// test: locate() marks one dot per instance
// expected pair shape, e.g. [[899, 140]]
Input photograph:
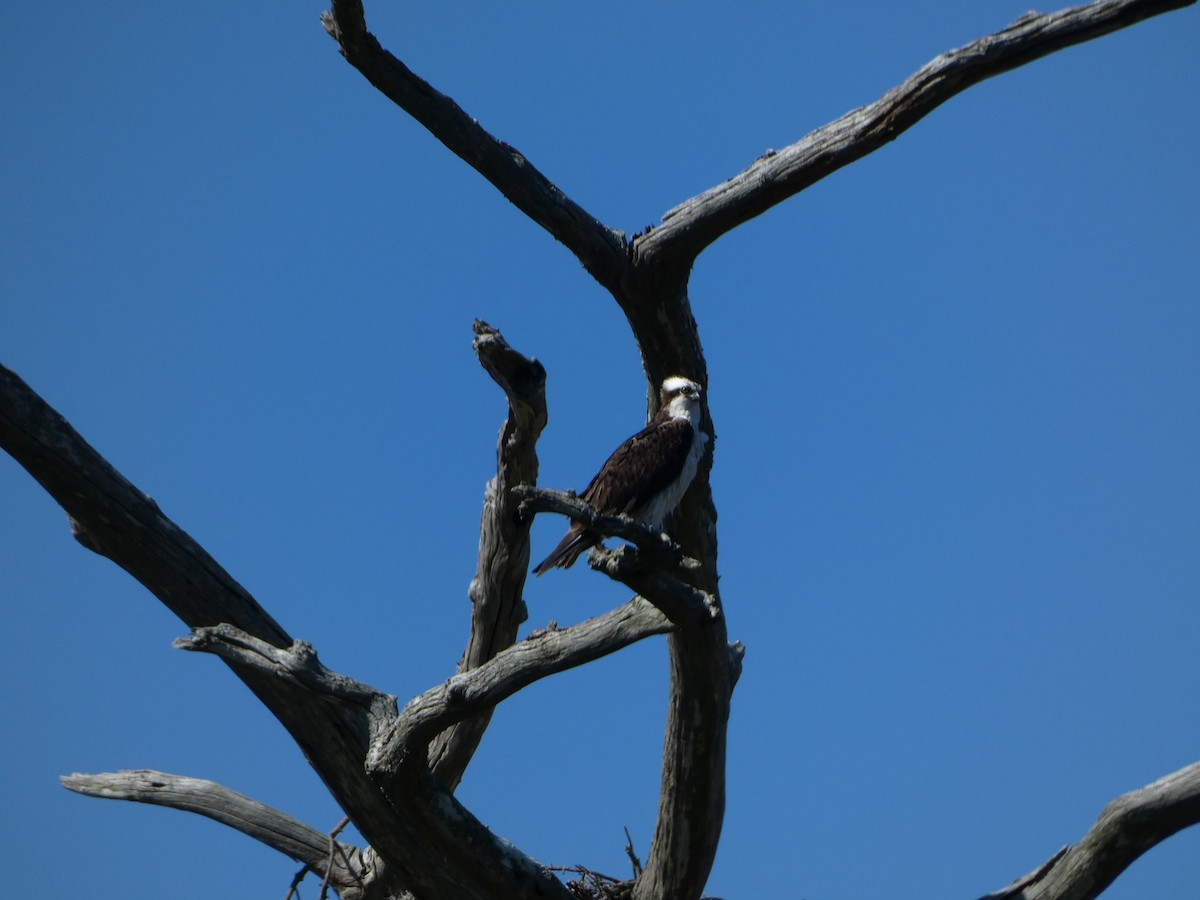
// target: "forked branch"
[[540, 656], [433, 846], [777, 175]]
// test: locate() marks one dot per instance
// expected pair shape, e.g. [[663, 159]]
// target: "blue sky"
[[955, 388]]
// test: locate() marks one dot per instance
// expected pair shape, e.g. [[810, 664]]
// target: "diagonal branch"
[[110, 516], [602, 250], [355, 875], [1126, 828], [433, 846], [777, 175], [539, 656], [497, 606], [476, 862]]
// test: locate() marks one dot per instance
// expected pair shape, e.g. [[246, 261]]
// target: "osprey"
[[646, 476]]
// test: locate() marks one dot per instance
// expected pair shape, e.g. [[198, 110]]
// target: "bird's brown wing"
[[641, 467]]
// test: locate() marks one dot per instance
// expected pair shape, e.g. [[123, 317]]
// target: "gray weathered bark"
[[393, 771], [648, 278], [496, 592], [355, 874], [1126, 828]]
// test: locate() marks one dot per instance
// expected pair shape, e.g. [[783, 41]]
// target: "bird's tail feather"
[[569, 549]]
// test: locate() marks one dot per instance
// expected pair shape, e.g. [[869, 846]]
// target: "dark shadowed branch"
[[111, 517], [654, 545], [602, 250]]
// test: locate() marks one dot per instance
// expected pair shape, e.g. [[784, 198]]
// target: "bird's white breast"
[[664, 504]]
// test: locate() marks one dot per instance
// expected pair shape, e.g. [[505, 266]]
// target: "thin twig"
[[294, 887], [332, 853], [633, 858]]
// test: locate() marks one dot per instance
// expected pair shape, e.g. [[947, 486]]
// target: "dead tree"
[[394, 770]]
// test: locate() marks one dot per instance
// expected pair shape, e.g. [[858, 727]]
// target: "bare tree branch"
[[1126, 828], [777, 175], [432, 845], [400, 737], [110, 516], [297, 664], [353, 874], [497, 607], [434, 822], [602, 250], [648, 570], [651, 289], [537, 657], [398, 745], [683, 604], [655, 546]]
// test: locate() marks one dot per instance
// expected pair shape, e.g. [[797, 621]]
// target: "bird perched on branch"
[[646, 476]]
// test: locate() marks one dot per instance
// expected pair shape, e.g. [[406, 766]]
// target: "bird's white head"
[[681, 398]]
